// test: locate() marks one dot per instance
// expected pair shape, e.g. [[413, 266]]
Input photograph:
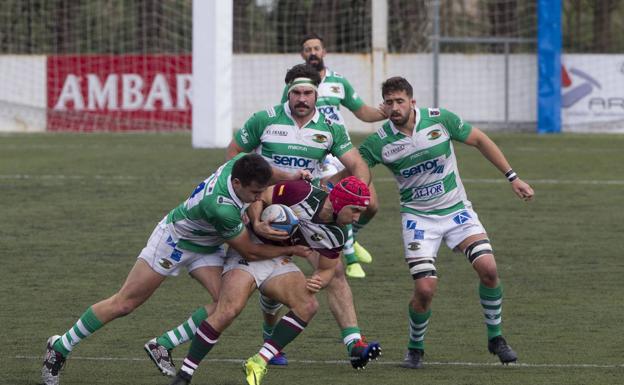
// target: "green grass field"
[[77, 209]]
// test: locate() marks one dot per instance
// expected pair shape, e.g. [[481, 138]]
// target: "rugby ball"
[[280, 217]]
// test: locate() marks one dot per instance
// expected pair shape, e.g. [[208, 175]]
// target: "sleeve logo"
[[434, 112]]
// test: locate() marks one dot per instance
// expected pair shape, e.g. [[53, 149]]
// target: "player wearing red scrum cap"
[[322, 219]]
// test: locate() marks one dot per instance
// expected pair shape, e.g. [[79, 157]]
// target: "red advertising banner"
[[119, 92]]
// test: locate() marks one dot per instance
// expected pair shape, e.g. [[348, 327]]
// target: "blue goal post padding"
[[549, 66]]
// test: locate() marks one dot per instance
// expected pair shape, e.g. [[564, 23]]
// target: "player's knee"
[[478, 249], [489, 277], [307, 308], [123, 306], [269, 305]]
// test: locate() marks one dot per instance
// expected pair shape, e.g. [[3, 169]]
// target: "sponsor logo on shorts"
[[165, 263], [428, 192], [419, 234], [243, 261], [462, 217], [413, 246], [286, 260], [176, 255]]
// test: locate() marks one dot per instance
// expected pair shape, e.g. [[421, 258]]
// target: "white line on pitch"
[[344, 362]]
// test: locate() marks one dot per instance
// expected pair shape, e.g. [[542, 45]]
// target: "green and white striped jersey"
[[424, 165], [211, 215], [333, 91], [274, 134]]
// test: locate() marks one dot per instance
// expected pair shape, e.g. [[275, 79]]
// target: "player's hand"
[[265, 230], [305, 175], [302, 251], [314, 283], [522, 189], [385, 109]]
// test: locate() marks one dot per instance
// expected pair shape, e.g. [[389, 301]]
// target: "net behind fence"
[[84, 65], [113, 65]]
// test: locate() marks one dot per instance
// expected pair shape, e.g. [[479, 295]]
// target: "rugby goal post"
[[212, 73]]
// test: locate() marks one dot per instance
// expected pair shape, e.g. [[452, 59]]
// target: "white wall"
[[22, 93], [470, 85]]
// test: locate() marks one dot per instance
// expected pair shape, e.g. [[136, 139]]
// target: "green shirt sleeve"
[[342, 141], [457, 128], [248, 137], [369, 150], [229, 223], [351, 100]]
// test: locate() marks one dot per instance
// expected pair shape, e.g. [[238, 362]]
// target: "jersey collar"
[[416, 121], [314, 119], [235, 197]]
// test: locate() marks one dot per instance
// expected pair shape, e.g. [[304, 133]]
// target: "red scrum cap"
[[350, 191]]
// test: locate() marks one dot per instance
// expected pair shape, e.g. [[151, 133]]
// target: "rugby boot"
[[498, 346], [413, 359], [161, 357], [363, 352], [53, 362]]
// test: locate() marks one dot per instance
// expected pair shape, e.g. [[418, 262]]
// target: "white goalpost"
[[212, 73]]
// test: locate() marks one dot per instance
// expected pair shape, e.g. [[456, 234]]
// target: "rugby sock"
[[267, 331], [418, 327], [350, 336], [348, 250], [286, 330], [86, 325], [492, 303], [184, 332], [205, 338], [359, 225]]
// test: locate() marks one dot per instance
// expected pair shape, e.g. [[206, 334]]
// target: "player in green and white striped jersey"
[[190, 236], [334, 91], [416, 146], [295, 135]]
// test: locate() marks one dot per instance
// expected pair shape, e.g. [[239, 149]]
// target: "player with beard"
[[415, 144], [293, 137], [334, 91]]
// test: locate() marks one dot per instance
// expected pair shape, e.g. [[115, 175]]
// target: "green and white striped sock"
[[492, 303], [183, 332], [86, 325], [418, 323]]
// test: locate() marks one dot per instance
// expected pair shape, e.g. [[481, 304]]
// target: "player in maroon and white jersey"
[[322, 217]]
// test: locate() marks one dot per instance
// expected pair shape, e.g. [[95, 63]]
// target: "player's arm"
[[323, 274], [491, 152], [258, 251], [370, 114], [356, 166], [261, 228], [233, 149]]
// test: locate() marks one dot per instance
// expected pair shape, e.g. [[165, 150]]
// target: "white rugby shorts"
[[261, 271], [162, 255], [423, 234]]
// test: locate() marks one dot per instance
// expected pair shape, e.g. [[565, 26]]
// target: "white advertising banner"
[[592, 93]]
